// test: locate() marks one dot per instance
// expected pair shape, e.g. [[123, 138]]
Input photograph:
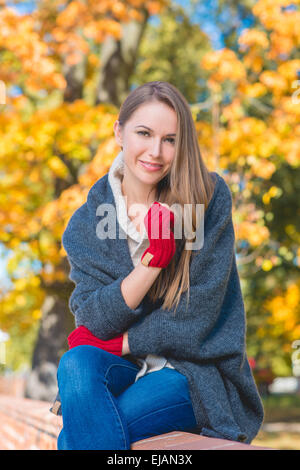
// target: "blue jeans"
[[104, 409]]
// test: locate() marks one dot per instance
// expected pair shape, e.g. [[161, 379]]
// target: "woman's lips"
[[150, 167]]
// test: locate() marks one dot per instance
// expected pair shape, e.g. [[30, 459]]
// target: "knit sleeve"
[[98, 306], [97, 271], [213, 324], [196, 337]]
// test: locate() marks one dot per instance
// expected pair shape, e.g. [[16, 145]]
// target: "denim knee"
[[72, 359], [77, 367]]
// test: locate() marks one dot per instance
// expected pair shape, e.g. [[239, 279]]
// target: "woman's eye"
[[143, 132], [170, 139]]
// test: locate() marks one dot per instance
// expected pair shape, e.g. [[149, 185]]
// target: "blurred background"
[[65, 69]]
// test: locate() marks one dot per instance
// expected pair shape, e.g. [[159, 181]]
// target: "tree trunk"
[[74, 76], [56, 323], [118, 58]]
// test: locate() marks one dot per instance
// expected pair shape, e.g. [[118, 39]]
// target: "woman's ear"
[[118, 134]]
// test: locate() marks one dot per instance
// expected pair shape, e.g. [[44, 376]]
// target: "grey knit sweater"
[[205, 342], [137, 244]]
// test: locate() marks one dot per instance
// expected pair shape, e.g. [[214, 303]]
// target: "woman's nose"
[[155, 149]]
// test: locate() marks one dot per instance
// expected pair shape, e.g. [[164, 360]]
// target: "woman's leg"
[[157, 403], [89, 378]]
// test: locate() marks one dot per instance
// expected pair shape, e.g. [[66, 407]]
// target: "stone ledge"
[[28, 425], [179, 440]]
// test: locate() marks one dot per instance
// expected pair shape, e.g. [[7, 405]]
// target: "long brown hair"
[[188, 182]]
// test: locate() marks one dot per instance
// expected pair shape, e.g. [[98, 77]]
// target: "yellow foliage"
[[253, 37], [20, 300], [58, 167], [34, 281], [273, 80], [20, 284], [233, 111], [252, 232], [281, 44], [69, 201], [289, 69], [119, 9], [253, 62], [284, 309], [69, 16], [290, 105], [18, 35], [154, 7], [223, 64], [283, 24], [261, 167], [267, 265], [36, 314], [274, 191], [101, 162], [254, 90]]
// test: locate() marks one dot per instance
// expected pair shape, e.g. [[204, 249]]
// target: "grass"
[[278, 440], [282, 408]]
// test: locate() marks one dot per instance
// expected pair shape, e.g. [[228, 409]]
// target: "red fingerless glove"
[[159, 222], [81, 336]]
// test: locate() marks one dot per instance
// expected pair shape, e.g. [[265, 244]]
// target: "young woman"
[[160, 338]]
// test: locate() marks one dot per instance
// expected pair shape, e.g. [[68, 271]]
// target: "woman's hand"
[[125, 348], [159, 222], [82, 336]]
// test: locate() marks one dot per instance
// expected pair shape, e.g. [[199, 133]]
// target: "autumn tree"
[[255, 139], [71, 62]]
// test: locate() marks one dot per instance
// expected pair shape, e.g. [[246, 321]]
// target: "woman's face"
[[148, 137]]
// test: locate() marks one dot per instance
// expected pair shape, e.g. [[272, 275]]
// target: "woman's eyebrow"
[[142, 125]]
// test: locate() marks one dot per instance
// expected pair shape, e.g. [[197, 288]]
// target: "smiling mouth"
[[151, 165]]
